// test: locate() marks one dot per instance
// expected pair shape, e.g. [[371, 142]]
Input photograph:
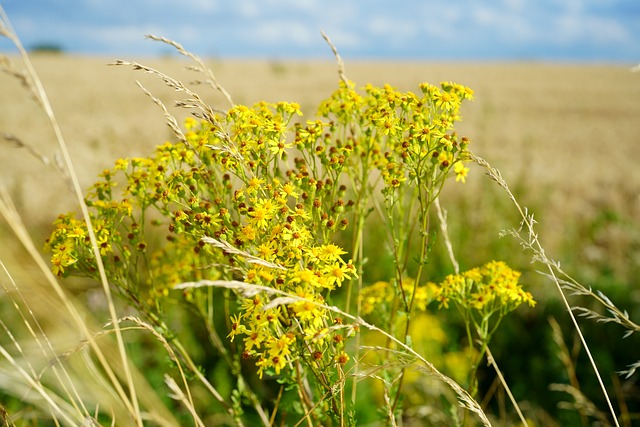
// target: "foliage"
[[232, 206], [250, 230], [46, 47]]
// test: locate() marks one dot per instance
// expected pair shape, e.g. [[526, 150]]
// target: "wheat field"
[[565, 136], [574, 127]]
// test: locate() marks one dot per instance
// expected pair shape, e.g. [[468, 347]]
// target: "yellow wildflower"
[[237, 328], [446, 100], [461, 172]]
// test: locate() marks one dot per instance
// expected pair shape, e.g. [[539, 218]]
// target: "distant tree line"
[[46, 47]]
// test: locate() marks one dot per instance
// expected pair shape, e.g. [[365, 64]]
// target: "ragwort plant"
[[239, 216], [252, 203]]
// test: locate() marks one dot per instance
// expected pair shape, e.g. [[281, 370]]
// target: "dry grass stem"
[[228, 248], [249, 290], [12, 217], [616, 315], [339, 61], [20, 230], [580, 402], [22, 77], [533, 243], [42, 341], [5, 417], [178, 394], [442, 218], [171, 120], [56, 164], [194, 101], [22, 379], [201, 68], [565, 357], [182, 357], [492, 362], [18, 143]]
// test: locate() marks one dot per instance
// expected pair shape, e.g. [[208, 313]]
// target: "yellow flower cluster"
[[488, 289], [230, 179], [277, 225], [405, 135], [228, 183], [378, 297], [69, 241]]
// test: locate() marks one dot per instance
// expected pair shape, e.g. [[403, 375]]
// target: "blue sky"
[[547, 30]]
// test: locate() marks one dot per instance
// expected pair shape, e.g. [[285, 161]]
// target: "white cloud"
[[203, 6], [255, 9], [439, 23], [505, 23], [309, 7], [485, 16], [27, 24], [343, 39], [284, 32], [392, 28], [298, 23], [123, 35], [247, 8], [575, 28], [515, 5]]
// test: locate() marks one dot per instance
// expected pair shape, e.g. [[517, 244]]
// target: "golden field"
[[567, 135], [575, 126]]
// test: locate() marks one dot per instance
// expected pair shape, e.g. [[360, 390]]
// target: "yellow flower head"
[[492, 287], [461, 172]]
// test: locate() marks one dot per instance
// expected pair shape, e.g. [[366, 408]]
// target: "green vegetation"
[[272, 269], [46, 47]]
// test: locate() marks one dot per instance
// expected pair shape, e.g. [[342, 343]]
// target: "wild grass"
[[66, 362]]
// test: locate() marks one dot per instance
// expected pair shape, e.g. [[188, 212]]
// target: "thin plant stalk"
[[534, 243], [131, 402], [46, 348], [283, 298], [492, 362]]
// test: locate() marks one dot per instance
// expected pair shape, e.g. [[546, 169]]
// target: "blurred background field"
[[566, 138]]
